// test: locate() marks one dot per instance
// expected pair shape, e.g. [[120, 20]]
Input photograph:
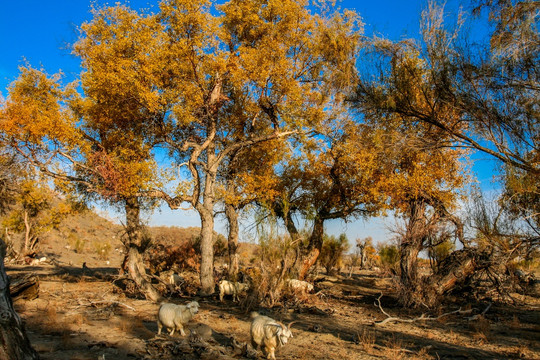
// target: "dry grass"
[[73, 319], [423, 354], [366, 339], [51, 316], [481, 329], [394, 347], [514, 324]]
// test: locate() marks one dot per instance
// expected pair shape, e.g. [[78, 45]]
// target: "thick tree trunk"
[[137, 272], [314, 247], [136, 244], [455, 270], [409, 264], [362, 256], [232, 240], [14, 344], [411, 245], [286, 216], [207, 253], [206, 213]]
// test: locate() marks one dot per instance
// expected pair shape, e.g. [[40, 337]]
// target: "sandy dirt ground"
[[83, 315]]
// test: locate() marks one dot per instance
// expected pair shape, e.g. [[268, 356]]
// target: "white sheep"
[[231, 288], [268, 333], [174, 316], [300, 285]]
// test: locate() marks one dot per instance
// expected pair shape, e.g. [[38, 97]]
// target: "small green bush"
[[103, 249], [389, 256], [76, 243]]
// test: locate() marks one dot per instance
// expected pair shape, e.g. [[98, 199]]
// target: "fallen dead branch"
[[110, 302], [422, 317], [104, 303], [481, 314]]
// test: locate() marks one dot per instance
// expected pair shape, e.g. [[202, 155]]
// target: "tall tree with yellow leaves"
[[255, 72], [123, 93], [488, 82], [339, 175], [427, 173], [96, 143]]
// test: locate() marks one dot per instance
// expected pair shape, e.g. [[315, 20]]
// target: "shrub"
[[441, 250], [76, 243], [161, 257], [103, 249], [332, 252], [273, 262], [389, 256]]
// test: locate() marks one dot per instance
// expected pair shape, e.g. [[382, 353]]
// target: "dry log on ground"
[[26, 287], [422, 317]]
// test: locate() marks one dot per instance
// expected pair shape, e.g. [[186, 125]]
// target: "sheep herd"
[[266, 333]]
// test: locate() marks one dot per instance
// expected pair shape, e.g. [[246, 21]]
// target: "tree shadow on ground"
[[386, 337]]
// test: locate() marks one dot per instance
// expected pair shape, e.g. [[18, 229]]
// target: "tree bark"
[[232, 240], [314, 247], [136, 244], [207, 253], [362, 247], [137, 272], [14, 343], [206, 213], [408, 264], [411, 245]]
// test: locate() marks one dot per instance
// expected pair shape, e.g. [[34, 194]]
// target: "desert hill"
[[91, 238]]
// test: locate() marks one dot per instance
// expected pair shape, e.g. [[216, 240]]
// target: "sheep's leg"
[[182, 331], [270, 352], [221, 296], [172, 331], [159, 326]]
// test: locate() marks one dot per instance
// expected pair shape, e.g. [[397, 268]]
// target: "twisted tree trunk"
[[314, 247], [136, 244]]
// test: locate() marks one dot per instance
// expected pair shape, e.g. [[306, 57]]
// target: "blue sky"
[[40, 32]]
